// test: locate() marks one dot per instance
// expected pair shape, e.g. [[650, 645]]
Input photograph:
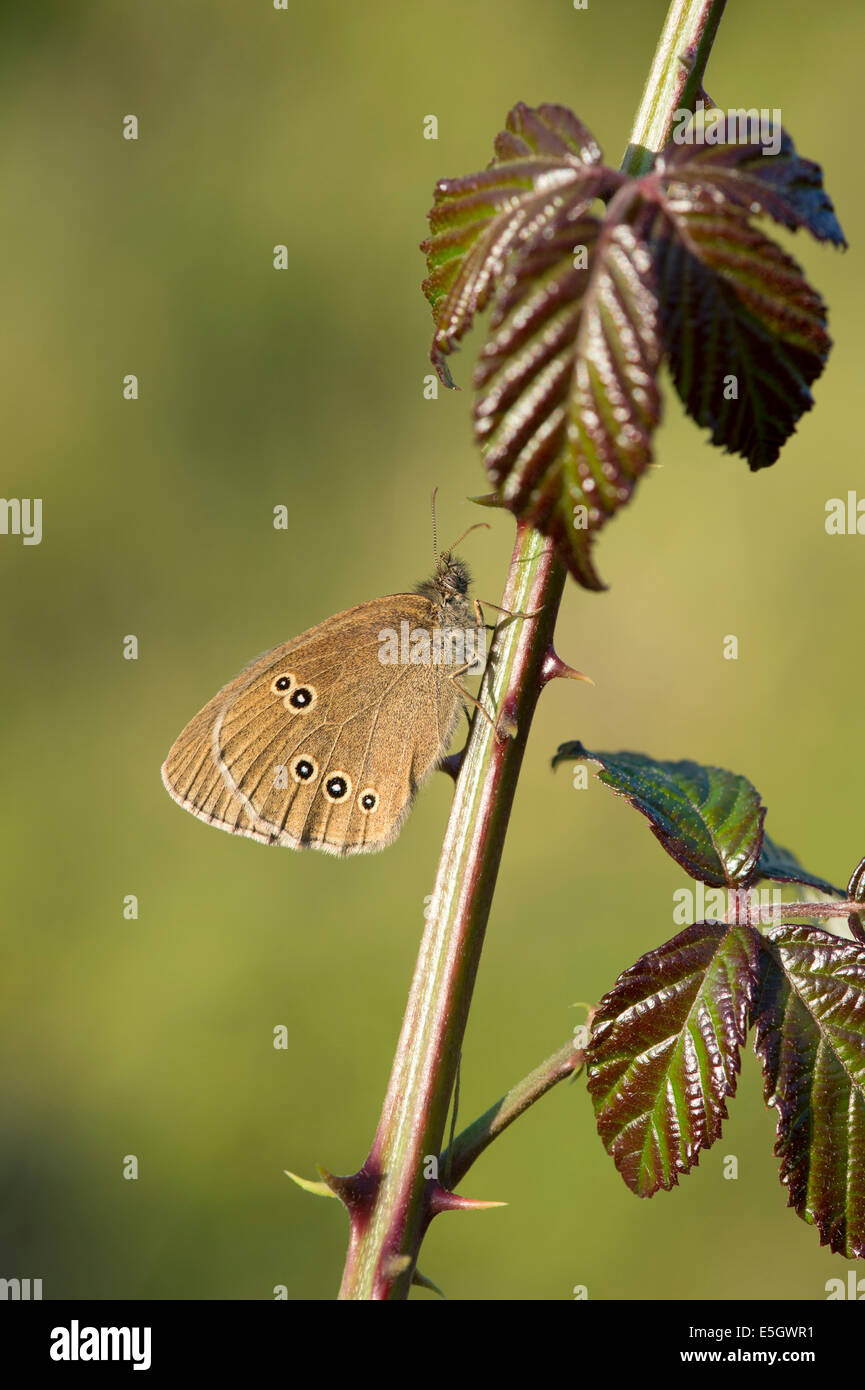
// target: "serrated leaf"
[[781, 866], [664, 1054], [552, 131], [709, 820], [544, 159], [784, 185], [567, 395], [810, 1037], [737, 315]]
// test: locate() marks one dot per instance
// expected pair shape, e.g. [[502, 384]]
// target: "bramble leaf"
[[810, 1037], [585, 306], [664, 1054], [545, 159], [567, 395], [709, 820], [784, 185], [738, 315], [743, 331]]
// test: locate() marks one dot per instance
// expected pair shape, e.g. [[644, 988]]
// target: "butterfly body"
[[323, 741]]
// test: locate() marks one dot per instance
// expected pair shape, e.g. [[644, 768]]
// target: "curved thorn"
[[318, 1189], [424, 1283], [441, 1199], [553, 667], [452, 764], [356, 1192]]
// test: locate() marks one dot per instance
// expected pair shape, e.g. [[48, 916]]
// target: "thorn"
[[452, 764], [488, 499], [441, 1199], [355, 1192], [318, 1189], [553, 666], [424, 1283]]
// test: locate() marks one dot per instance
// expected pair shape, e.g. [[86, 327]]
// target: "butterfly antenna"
[[435, 541], [478, 526]]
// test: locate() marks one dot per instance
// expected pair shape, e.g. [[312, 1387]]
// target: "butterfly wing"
[[320, 742]]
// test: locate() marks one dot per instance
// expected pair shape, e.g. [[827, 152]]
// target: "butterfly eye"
[[301, 698], [337, 787], [368, 800], [302, 769], [281, 684]]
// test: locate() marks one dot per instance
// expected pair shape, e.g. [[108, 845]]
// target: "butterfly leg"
[[452, 677], [510, 617]]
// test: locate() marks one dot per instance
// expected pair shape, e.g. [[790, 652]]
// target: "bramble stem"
[[767, 913], [393, 1197], [675, 78], [415, 1109]]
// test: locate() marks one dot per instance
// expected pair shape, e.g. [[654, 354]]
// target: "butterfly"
[[323, 742]]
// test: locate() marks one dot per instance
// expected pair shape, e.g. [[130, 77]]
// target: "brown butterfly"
[[323, 742]]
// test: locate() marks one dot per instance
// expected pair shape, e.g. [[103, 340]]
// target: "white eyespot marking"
[[280, 684], [368, 800], [338, 786], [301, 698], [304, 768]]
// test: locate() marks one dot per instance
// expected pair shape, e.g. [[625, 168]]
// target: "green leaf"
[[710, 821], [781, 866], [664, 1054], [810, 1037]]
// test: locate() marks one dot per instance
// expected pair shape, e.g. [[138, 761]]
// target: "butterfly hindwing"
[[337, 768]]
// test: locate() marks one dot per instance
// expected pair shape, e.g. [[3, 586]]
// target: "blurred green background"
[[154, 1037]]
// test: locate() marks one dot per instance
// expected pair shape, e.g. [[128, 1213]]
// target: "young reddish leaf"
[[744, 332], [664, 1053], [567, 394], [783, 185], [551, 130], [810, 1037], [709, 820], [781, 866], [544, 160]]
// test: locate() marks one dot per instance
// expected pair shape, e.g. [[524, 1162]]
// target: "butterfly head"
[[450, 583], [452, 578], [449, 586]]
